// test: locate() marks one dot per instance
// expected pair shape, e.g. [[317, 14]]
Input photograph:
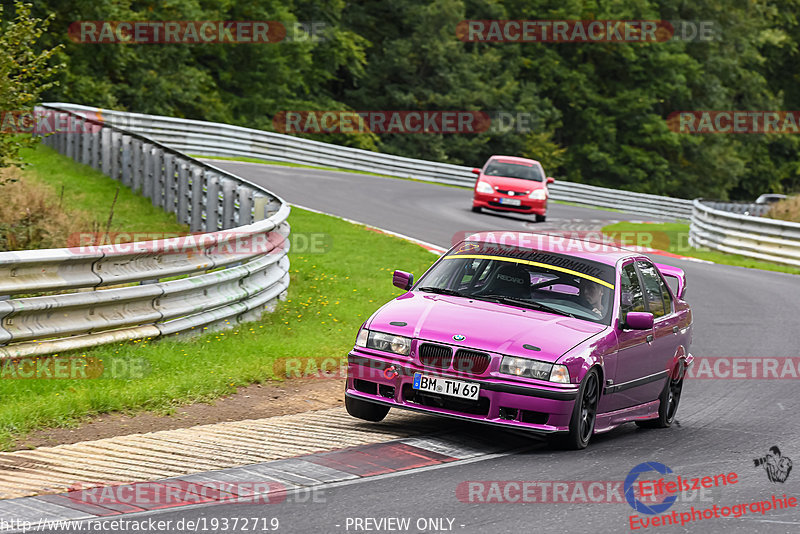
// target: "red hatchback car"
[[508, 183]]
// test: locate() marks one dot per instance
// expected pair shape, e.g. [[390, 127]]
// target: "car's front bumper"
[[538, 409], [492, 202]]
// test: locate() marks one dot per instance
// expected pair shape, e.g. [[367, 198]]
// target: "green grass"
[[330, 295], [674, 238], [88, 190]]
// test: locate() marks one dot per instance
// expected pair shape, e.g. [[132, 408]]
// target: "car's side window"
[[631, 296], [659, 300]]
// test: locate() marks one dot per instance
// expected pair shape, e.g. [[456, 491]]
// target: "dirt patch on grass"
[[252, 402]]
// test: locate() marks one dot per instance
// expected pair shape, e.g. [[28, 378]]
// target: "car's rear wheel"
[[668, 403], [368, 411], [584, 414], [541, 218], [476, 209]]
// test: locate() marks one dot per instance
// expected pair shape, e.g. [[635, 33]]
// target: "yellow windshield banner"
[[529, 262]]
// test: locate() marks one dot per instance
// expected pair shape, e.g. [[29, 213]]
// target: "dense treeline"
[[600, 108]]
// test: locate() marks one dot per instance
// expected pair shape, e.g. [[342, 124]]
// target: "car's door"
[[666, 322], [633, 364]]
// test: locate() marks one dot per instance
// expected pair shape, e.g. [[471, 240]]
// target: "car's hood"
[[485, 325], [513, 184]]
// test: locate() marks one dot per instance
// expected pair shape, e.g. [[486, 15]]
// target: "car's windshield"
[[514, 170], [555, 283]]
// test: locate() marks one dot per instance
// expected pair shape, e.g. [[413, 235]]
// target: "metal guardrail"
[[214, 139], [755, 237], [231, 272]]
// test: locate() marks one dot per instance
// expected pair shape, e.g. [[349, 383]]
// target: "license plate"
[[511, 201], [446, 386]]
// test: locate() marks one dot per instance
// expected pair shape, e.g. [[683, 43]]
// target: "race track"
[[722, 424]]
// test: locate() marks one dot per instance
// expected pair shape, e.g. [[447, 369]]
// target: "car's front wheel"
[[584, 414], [476, 209], [668, 403], [368, 411]]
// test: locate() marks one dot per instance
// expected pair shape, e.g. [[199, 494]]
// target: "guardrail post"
[[182, 192], [260, 207], [95, 157], [245, 195], [212, 202], [228, 200], [63, 137], [159, 173], [137, 165], [148, 164], [86, 144], [116, 141], [197, 223], [272, 207], [105, 151], [125, 161], [170, 183], [72, 151]]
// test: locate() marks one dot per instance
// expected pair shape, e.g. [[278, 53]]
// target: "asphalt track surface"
[[722, 424]]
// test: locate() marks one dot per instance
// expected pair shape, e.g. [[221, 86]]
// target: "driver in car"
[[591, 296]]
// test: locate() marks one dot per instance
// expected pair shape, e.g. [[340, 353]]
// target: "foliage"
[[25, 72], [599, 109]]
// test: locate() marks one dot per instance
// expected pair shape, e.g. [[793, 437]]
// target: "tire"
[[541, 218], [584, 414], [668, 403], [476, 209], [368, 411]]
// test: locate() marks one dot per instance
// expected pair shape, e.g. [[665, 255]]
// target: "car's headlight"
[[534, 369], [538, 194], [387, 342], [525, 367], [484, 187], [361, 339], [559, 374]]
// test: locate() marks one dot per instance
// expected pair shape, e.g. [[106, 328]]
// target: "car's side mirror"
[[550, 180], [476, 171], [638, 320], [403, 280]]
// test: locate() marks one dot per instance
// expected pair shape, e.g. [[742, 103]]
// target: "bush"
[[786, 210]]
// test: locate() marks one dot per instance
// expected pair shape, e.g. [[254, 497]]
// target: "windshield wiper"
[[527, 303], [441, 291]]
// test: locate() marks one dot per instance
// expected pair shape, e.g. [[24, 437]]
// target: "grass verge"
[[674, 238], [330, 295], [85, 189]]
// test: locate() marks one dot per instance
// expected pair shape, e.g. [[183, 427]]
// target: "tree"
[[24, 74]]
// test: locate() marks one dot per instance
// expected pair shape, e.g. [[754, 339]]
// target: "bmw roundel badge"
[[459, 337]]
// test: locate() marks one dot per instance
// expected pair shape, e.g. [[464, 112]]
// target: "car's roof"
[[516, 159], [598, 251]]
